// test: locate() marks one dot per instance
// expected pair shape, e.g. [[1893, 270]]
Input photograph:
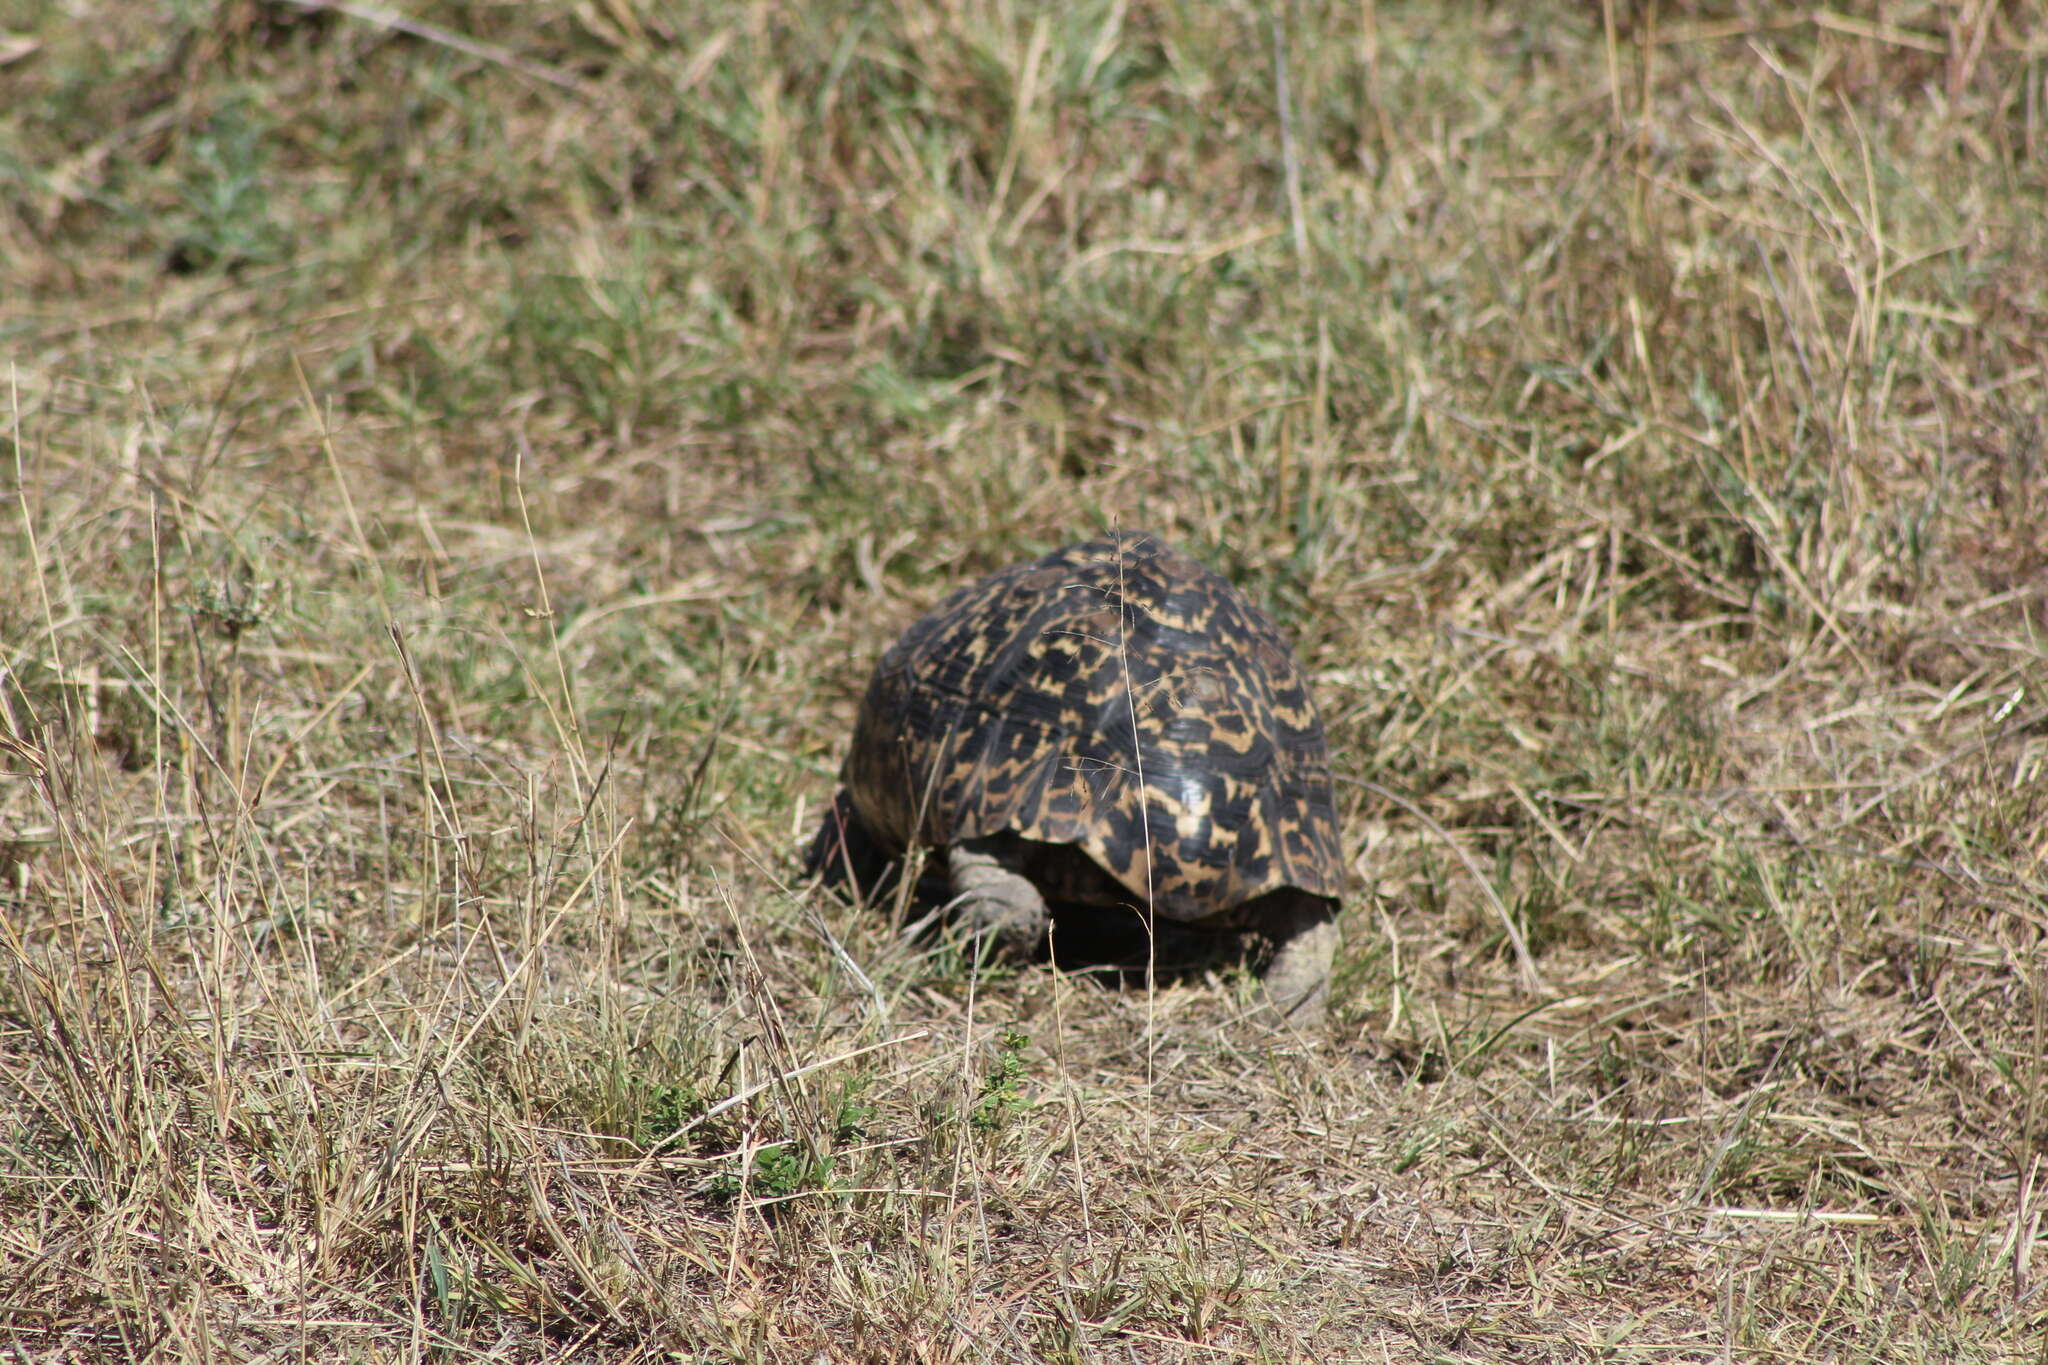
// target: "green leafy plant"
[[1001, 1097], [669, 1108]]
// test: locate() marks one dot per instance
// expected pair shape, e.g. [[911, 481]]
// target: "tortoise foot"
[[999, 907], [1297, 980]]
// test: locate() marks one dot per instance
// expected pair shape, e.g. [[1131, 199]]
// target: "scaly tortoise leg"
[[1000, 907], [1297, 980]]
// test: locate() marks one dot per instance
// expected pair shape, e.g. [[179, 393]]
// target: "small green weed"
[[1001, 1099], [225, 220], [853, 1112], [669, 1108], [781, 1169], [777, 1171]]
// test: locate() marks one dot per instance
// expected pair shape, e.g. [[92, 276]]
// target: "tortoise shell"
[[1115, 696]]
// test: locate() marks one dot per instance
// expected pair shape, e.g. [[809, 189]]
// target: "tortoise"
[[1110, 725]]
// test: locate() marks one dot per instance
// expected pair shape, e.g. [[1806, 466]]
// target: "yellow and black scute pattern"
[[1117, 696]]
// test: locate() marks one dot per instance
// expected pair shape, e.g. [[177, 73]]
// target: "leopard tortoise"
[[1109, 725]]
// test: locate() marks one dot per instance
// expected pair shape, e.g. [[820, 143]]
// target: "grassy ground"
[[459, 465]]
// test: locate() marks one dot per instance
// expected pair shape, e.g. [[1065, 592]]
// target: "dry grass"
[[460, 464]]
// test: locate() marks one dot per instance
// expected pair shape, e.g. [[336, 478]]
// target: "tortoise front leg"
[[1297, 980], [999, 906]]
